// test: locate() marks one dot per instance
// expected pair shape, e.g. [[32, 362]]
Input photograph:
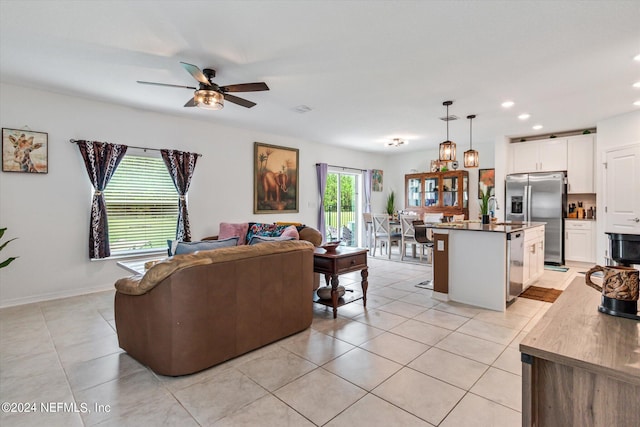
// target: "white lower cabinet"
[[533, 262], [579, 240]]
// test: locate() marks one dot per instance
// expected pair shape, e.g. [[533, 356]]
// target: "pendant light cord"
[[447, 122], [470, 134]]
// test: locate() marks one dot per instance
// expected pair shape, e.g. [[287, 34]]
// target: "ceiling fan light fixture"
[[208, 99], [447, 152], [471, 156]]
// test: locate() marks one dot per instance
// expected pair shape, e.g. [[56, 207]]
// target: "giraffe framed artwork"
[[25, 151]]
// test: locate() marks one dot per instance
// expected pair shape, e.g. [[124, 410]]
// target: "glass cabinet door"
[[450, 191], [465, 192], [414, 192], [431, 191]]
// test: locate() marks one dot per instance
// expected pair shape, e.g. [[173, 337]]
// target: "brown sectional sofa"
[[193, 311]]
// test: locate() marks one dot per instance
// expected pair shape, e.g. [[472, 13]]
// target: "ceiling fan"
[[211, 96]]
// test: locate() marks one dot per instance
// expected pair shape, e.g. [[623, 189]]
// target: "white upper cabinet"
[[547, 155], [580, 164]]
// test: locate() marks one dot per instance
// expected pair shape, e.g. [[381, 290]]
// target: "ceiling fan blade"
[[245, 87], [196, 73], [239, 101], [190, 103], [165, 84]]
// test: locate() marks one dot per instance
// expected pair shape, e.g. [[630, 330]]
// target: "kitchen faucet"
[[495, 204]]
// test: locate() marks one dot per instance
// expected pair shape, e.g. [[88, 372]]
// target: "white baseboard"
[[54, 295]]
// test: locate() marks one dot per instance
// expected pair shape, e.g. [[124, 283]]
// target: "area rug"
[[541, 294], [556, 268]]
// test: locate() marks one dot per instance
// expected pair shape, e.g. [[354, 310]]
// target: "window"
[[142, 205]]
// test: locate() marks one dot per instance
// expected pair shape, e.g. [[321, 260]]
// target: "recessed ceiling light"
[[302, 109], [636, 58], [637, 103], [524, 116], [636, 85], [537, 127], [508, 104]]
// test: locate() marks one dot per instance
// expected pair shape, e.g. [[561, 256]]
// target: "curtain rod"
[[344, 167], [75, 141]]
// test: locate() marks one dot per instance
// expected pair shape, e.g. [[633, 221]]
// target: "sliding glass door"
[[342, 206]]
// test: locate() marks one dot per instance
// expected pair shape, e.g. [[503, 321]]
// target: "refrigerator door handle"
[[529, 199]]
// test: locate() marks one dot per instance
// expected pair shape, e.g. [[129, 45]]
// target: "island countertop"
[[498, 227]]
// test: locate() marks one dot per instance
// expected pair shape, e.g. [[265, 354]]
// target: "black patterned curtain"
[[181, 166], [101, 160]]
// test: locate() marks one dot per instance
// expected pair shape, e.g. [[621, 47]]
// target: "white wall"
[[613, 132], [400, 164], [50, 213]]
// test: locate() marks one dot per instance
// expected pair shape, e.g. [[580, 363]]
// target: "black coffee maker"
[[624, 250]]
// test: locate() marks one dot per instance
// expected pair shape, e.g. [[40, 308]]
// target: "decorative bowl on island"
[[331, 246]]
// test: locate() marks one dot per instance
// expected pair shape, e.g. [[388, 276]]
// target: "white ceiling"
[[370, 71]]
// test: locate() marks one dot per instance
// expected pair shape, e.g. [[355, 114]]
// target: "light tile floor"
[[406, 360]]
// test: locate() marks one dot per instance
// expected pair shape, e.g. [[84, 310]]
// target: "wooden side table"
[[343, 260]]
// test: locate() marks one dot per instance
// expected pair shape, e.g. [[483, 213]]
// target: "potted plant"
[[484, 206], [9, 260], [391, 200]]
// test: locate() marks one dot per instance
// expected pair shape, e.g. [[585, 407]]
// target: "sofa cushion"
[[179, 248], [228, 229], [255, 240], [291, 231], [261, 229]]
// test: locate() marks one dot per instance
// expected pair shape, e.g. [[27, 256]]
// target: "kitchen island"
[[581, 367], [483, 265]]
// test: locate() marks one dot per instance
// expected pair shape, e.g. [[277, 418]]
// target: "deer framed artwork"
[[275, 179], [24, 151]]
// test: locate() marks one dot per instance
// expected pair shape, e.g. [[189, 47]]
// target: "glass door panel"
[[431, 192], [341, 208], [414, 192], [450, 191], [465, 192]]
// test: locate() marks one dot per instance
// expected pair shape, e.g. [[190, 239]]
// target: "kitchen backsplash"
[[588, 201]]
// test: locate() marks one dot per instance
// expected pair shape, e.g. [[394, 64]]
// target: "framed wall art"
[[376, 179], [25, 151], [486, 182], [275, 179]]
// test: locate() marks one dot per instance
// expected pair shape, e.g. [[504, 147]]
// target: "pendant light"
[[471, 159], [447, 148]]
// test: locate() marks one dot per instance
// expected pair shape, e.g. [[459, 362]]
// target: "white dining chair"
[[408, 233], [368, 229], [382, 233]]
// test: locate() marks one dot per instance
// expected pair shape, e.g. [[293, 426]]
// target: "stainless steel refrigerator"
[[540, 197]]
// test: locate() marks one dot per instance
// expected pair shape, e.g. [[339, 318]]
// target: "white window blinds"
[[142, 205]]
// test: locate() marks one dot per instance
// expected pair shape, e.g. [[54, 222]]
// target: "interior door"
[[622, 174]]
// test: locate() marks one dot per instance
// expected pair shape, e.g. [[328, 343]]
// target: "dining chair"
[[368, 229], [408, 233], [433, 217], [457, 218], [382, 233]]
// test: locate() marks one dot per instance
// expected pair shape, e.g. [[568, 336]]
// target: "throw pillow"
[[228, 229], [260, 229], [291, 231], [255, 240], [178, 248]]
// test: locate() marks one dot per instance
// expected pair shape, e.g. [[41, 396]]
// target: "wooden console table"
[[581, 367], [343, 260]]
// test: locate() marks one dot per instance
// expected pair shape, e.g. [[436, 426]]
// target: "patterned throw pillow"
[[268, 230], [178, 248]]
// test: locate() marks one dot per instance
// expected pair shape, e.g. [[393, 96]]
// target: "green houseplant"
[[391, 200], [9, 260], [484, 206]]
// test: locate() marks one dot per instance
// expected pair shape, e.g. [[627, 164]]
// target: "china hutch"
[[438, 192]]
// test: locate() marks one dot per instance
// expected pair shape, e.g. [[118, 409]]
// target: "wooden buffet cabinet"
[[438, 192]]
